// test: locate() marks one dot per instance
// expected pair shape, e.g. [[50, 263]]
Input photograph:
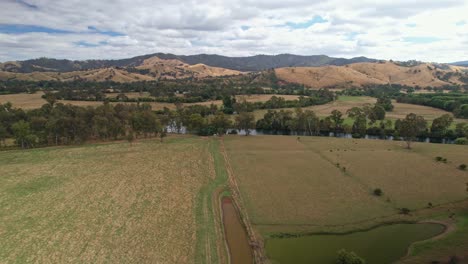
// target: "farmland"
[[33, 101], [316, 185], [148, 202], [345, 103]]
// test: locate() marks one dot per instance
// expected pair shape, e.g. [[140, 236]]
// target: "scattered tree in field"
[[245, 121], [378, 192], [462, 167], [51, 98], [346, 257], [410, 127]]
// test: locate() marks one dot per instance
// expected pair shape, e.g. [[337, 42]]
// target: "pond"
[[236, 236], [381, 245]]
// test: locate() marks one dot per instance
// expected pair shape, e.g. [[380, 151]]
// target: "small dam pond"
[[236, 236], [380, 245]]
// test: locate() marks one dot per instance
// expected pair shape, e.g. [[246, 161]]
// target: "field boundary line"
[[255, 243]]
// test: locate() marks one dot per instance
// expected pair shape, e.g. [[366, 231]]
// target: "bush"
[[462, 167], [439, 158], [378, 192], [345, 257], [404, 211], [461, 141]]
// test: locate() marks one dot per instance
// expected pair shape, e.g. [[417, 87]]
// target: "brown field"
[[321, 184], [109, 203]]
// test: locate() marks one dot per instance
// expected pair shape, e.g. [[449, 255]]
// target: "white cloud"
[[370, 28]]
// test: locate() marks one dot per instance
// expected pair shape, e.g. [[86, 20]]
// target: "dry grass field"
[[320, 184], [108, 203]]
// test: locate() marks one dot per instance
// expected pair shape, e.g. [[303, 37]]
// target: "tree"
[[440, 125], [221, 123], [410, 127], [22, 134], [245, 121], [386, 103], [337, 118], [3, 134], [51, 98], [195, 123], [346, 257]]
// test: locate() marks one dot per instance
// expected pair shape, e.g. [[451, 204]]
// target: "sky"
[[425, 30]]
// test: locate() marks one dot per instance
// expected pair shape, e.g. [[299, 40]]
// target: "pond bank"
[[379, 245]]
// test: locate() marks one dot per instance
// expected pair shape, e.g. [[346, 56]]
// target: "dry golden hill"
[[359, 74], [151, 69], [98, 75], [176, 69]]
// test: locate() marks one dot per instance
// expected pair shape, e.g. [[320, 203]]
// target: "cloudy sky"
[[427, 30]]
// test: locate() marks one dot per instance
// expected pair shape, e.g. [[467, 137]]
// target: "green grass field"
[[111, 203]]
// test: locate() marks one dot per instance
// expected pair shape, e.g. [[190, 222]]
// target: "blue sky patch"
[[244, 28], [86, 44], [411, 25], [20, 29], [307, 24], [460, 23], [93, 29], [421, 40]]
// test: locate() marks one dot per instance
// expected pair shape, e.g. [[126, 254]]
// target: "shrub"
[[404, 211], [462, 167], [461, 141], [346, 257], [378, 192], [439, 158]]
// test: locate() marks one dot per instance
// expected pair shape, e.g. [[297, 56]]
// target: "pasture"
[[148, 202], [326, 184], [34, 101], [345, 103]]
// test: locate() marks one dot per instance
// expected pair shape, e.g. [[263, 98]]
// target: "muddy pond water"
[[381, 245], [236, 236]]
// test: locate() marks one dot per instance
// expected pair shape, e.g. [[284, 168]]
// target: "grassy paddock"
[[326, 184], [109, 203]]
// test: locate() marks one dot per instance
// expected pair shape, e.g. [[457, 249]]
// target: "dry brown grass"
[[25, 101], [285, 183], [106, 203], [359, 74], [324, 184]]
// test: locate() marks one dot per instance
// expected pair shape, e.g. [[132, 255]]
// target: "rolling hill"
[[149, 69], [359, 74], [252, 63]]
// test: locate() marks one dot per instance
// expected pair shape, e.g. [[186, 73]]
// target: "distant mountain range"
[[460, 63], [252, 63]]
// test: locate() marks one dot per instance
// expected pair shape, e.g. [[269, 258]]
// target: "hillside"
[[252, 63], [150, 69], [359, 74]]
